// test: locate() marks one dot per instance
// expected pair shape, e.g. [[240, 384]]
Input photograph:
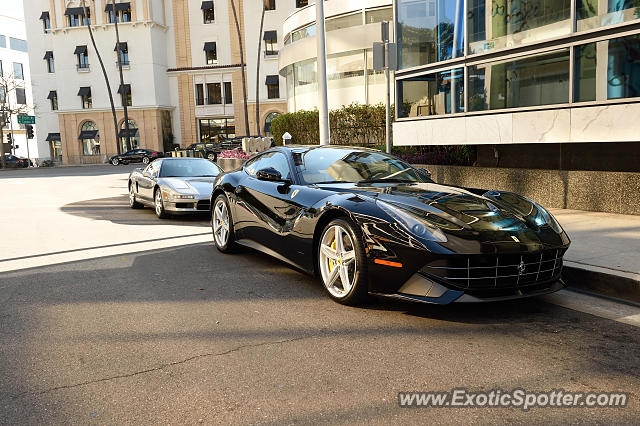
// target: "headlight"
[[185, 197], [414, 224], [543, 217], [170, 193]]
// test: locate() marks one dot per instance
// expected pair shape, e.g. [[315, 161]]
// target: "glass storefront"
[[432, 94], [90, 139], [134, 136], [214, 130]]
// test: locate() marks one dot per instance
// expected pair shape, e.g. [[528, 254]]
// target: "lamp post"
[[323, 101]]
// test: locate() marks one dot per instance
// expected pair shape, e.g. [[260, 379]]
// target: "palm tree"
[[104, 72], [242, 70], [123, 95], [258, 126]]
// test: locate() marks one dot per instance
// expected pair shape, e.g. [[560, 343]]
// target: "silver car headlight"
[[172, 194], [413, 223]]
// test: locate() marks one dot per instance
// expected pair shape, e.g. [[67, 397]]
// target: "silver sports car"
[[173, 186]]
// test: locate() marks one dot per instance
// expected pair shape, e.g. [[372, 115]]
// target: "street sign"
[[26, 119]]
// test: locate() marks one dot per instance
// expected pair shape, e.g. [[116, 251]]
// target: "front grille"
[[497, 271], [204, 205]]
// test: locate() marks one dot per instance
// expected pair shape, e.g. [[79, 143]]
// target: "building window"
[[273, 87], [21, 96], [122, 12], [345, 21], [270, 43], [1, 72], [214, 93], [49, 58], [199, 94], [378, 15], [599, 13], [431, 94], [18, 44], [125, 94], [3, 94], [208, 12], [217, 130], [530, 81], [124, 53], [134, 136], [422, 40], [75, 16], [82, 54], [17, 71], [85, 96], [90, 138], [46, 21], [53, 98], [3, 41], [269, 4], [267, 123], [302, 3], [228, 94], [211, 53]]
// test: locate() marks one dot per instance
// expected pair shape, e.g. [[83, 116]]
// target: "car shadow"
[[117, 210]]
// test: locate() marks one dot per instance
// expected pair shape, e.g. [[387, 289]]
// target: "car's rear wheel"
[[159, 205], [212, 156], [222, 225], [115, 161], [342, 263], [132, 198], [146, 160]]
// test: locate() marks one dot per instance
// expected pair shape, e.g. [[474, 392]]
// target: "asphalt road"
[[109, 316]]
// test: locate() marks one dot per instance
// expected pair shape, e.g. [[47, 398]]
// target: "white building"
[[183, 78], [14, 64]]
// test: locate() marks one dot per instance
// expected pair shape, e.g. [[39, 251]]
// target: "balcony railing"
[[83, 67]]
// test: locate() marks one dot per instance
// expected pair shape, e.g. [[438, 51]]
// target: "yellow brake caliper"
[[332, 264]]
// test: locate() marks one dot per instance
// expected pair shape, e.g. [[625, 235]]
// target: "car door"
[[146, 181], [268, 209]]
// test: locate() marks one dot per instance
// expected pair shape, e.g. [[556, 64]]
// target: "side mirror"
[[269, 174]]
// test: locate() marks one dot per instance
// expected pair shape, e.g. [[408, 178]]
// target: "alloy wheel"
[[338, 264], [145, 160], [115, 162], [221, 223], [132, 196], [159, 206]]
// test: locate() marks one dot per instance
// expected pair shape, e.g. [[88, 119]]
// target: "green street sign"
[[26, 119]]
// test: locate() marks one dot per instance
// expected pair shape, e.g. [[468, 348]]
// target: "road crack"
[[159, 367]]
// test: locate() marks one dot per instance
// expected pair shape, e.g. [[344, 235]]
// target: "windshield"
[[329, 165], [189, 168]]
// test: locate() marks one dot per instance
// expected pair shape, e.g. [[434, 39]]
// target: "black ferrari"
[[369, 223]]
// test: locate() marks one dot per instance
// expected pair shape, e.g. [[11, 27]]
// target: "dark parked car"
[[136, 156], [207, 150], [16, 162], [369, 223]]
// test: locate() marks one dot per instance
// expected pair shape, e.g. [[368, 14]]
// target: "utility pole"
[[385, 57], [323, 100]]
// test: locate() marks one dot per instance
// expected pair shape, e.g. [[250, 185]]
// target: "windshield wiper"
[[383, 180]]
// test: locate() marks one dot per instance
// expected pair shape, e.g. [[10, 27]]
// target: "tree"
[[242, 68], [104, 71], [124, 94], [258, 126], [8, 84]]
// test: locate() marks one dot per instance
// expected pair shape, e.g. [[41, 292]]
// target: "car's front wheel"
[[159, 205], [222, 225], [342, 263], [115, 161], [133, 203], [146, 160]]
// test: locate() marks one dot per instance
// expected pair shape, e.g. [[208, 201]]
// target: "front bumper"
[[201, 205], [422, 289]]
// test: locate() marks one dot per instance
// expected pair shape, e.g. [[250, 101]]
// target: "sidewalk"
[[605, 252]]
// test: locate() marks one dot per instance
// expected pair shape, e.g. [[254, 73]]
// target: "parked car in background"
[[209, 151], [136, 156], [173, 186], [368, 223], [16, 162]]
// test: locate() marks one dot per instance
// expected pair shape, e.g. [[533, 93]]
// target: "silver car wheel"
[[221, 223], [115, 162], [338, 264], [132, 196], [211, 157], [145, 160], [159, 206]]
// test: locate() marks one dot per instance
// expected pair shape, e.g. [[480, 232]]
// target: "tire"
[[212, 156], [223, 237], [146, 160], [159, 204], [132, 199], [115, 161], [343, 261]]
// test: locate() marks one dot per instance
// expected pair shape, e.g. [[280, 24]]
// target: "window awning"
[[75, 11], [270, 35], [80, 50], [210, 46], [206, 5], [45, 15], [133, 132], [124, 47], [119, 6], [84, 91], [52, 94], [124, 88], [272, 80], [88, 134], [48, 55], [53, 137]]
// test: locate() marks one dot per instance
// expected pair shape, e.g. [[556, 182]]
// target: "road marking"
[[603, 308]]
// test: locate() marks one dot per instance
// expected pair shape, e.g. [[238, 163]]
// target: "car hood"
[[202, 186]]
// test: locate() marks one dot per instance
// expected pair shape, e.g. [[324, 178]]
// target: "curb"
[[602, 283]]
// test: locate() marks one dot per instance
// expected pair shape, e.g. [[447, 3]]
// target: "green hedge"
[[355, 124]]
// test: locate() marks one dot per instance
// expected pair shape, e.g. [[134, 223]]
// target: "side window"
[[277, 160]]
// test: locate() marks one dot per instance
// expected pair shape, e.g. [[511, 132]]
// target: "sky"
[[12, 8]]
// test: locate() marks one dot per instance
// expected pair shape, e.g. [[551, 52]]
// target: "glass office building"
[[498, 72]]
